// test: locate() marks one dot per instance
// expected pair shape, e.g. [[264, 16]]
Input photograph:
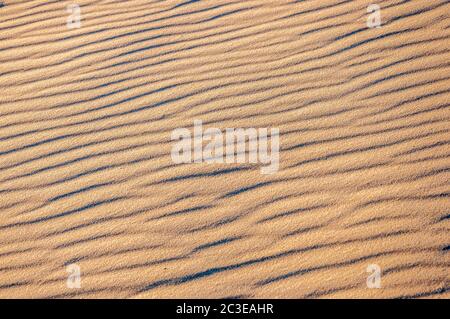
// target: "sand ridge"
[[87, 178]]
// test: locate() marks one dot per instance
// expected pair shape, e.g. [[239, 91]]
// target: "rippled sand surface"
[[86, 176]]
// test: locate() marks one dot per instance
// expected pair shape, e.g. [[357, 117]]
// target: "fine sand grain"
[[87, 178]]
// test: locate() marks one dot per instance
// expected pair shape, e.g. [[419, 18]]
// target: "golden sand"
[[87, 179]]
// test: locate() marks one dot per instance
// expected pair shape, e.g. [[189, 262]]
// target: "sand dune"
[[87, 178]]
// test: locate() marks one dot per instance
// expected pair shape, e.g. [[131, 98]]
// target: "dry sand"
[[86, 175]]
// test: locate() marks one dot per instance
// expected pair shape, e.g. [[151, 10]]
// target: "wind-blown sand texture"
[[86, 176]]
